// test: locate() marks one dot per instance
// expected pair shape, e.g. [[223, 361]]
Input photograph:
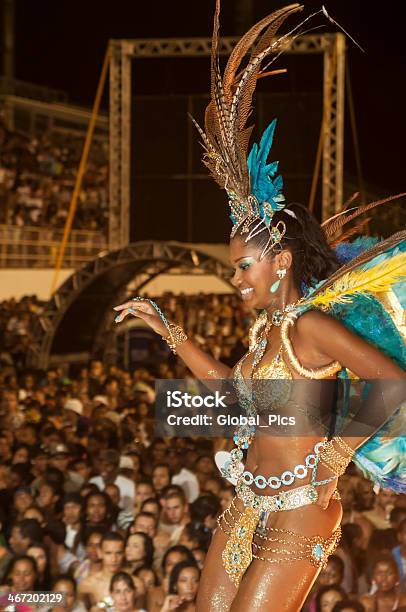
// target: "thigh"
[[284, 586], [216, 590], [272, 586]]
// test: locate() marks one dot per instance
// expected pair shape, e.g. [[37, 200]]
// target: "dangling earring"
[[281, 273]]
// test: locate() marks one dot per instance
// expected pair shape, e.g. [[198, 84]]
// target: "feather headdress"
[[253, 187]]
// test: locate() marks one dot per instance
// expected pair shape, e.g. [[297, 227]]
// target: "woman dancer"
[[284, 520]]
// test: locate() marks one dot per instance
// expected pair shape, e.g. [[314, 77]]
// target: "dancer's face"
[[254, 276]]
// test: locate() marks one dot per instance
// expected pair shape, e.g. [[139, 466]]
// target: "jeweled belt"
[[287, 500]]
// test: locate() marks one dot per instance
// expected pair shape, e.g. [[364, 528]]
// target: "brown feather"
[[266, 38], [331, 226], [350, 232], [226, 137], [245, 43], [245, 104]]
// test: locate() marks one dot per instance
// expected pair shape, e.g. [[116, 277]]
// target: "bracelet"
[[154, 305], [176, 336], [332, 459], [348, 451]]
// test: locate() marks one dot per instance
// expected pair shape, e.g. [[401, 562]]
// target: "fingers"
[[324, 501], [132, 311], [142, 306], [123, 306]]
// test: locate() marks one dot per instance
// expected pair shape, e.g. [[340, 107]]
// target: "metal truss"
[[333, 127], [332, 46], [137, 263]]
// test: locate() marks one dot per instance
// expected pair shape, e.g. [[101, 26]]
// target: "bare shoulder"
[[87, 583], [313, 319], [315, 324]]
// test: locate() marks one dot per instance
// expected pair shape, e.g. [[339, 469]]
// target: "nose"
[[235, 279]]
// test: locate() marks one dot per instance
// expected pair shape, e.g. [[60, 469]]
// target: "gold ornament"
[[175, 337], [314, 374]]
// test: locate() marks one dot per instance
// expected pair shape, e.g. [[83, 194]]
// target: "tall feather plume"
[[244, 45], [378, 279], [264, 42], [359, 261], [226, 136], [272, 23]]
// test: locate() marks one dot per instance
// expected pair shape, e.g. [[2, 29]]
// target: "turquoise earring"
[[281, 273], [274, 288]]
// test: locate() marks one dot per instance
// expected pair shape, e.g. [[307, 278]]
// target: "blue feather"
[[265, 186], [381, 460]]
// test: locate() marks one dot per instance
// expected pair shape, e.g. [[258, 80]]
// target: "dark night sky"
[[61, 44]]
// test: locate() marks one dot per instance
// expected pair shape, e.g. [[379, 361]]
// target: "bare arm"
[[319, 340], [334, 342], [201, 364]]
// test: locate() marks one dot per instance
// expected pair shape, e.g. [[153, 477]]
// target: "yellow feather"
[[378, 279]]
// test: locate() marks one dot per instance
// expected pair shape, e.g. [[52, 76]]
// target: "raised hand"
[[144, 310]]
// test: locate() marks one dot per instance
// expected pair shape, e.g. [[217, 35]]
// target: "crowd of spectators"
[[95, 506], [217, 322], [16, 324], [37, 176]]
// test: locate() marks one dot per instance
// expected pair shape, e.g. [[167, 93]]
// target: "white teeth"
[[246, 291]]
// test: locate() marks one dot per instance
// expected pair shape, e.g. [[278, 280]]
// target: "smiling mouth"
[[246, 293]]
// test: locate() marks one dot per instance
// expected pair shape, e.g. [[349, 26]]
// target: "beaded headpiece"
[[253, 187]]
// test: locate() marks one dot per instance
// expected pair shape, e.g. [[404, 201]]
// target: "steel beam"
[[332, 46]]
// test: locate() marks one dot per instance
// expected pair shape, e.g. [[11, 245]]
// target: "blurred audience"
[[94, 505], [37, 177]]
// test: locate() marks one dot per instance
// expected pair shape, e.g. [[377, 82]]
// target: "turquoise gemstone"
[[318, 552]]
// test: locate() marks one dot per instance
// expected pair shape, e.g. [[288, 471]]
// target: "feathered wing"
[[378, 279], [352, 231], [350, 296], [363, 259]]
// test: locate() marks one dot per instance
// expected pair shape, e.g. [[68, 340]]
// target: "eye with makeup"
[[244, 265]]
